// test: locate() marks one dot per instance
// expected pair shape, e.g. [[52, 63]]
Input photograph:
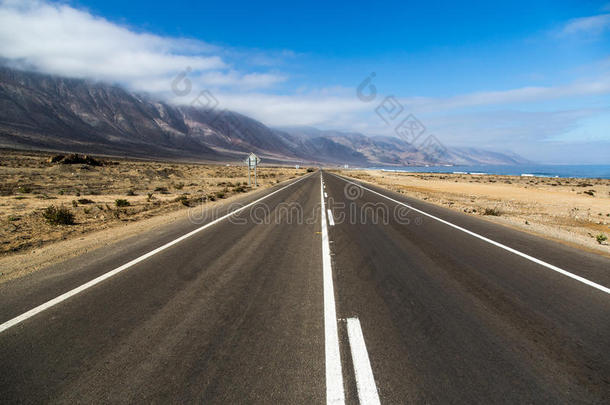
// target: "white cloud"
[[59, 39], [508, 127], [593, 25], [519, 95], [313, 108], [339, 108]]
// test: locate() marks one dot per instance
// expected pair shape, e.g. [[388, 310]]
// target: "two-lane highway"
[[320, 290]]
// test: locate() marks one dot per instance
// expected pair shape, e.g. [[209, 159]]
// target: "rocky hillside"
[[53, 113]]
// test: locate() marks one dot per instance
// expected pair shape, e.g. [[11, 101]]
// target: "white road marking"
[[498, 244], [365, 382], [331, 220], [97, 280], [334, 375], [325, 195]]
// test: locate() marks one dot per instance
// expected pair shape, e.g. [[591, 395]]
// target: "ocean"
[[577, 171]]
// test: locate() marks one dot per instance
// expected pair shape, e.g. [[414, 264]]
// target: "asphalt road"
[[314, 293]]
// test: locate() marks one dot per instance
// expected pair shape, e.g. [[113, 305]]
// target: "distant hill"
[[393, 151], [39, 111]]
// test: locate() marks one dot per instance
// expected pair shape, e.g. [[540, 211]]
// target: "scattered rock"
[[74, 159]]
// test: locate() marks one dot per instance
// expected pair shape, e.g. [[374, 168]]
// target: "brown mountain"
[[45, 112]]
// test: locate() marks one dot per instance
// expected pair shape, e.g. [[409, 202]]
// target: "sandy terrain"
[[572, 211], [155, 192]]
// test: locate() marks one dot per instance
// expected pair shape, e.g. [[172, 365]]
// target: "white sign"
[[252, 161]]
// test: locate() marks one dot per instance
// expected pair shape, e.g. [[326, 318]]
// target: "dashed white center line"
[[334, 374], [325, 195], [331, 220], [365, 382]]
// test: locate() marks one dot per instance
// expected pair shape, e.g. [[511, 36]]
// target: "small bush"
[[74, 159], [601, 238], [179, 186], [24, 190], [220, 194], [183, 199], [590, 192], [122, 202], [162, 190], [74, 203], [85, 201], [492, 211], [58, 216], [130, 192], [309, 170]]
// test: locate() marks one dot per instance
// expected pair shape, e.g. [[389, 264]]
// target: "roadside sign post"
[[252, 161]]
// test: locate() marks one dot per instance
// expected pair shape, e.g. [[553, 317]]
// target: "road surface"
[[320, 290]]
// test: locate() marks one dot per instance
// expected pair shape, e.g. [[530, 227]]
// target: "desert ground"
[[571, 211], [102, 198]]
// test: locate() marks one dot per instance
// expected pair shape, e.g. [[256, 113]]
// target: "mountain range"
[[43, 112]]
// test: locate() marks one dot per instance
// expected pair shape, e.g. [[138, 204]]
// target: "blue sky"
[[532, 77]]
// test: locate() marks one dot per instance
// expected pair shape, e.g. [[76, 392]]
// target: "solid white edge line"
[[498, 244], [331, 220], [334, 374], [97, 280], [365, 382]]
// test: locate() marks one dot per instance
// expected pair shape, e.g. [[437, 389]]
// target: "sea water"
[[576, 171]]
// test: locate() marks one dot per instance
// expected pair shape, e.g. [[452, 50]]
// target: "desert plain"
[[107, 198]]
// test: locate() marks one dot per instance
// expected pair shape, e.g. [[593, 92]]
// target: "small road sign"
[[252, 161]]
